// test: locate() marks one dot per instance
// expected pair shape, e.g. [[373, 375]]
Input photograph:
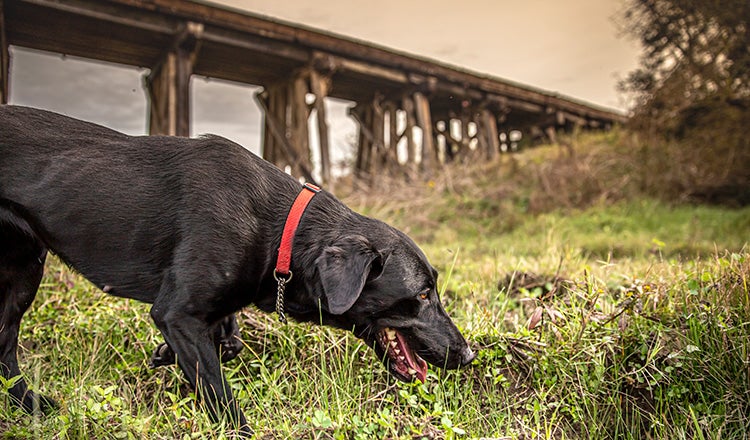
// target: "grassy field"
[[620, 317]]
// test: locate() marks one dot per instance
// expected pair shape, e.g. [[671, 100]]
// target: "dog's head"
[[381, 285]]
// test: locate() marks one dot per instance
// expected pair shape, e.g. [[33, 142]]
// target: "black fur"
[[192, 226]]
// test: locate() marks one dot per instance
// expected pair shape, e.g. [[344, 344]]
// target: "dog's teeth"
[[412, 371], [390, 333], [397, 351], [401, 358], [394, 344]]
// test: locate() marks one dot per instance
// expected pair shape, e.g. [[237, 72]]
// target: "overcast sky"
[[572, 47]]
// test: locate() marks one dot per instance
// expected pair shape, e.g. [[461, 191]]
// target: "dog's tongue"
[[413, 360], [421, 367]]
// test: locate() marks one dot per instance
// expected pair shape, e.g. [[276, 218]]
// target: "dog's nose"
[[467, 356]]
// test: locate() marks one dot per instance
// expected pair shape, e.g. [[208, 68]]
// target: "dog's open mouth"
[[401, 358]]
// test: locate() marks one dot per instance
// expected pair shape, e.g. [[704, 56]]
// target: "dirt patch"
[[518, 283]]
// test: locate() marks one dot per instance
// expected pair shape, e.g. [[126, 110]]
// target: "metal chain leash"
[[281, 280]]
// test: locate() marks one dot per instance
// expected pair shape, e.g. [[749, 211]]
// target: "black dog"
[[193, 227]]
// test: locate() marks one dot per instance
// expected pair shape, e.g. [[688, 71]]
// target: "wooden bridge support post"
[[439, 144], [378, 131], [299, 114], [168, 84], [483, 148], [465, 137], [411, 146], [319, 85], [501, 117], [286, 138], [4, 58], [488, 127], [551, 134], [278, 144], [363, 116], [390, 110], [452, 145], [372, 152], [275, 101], [293, 113], [424, 120]]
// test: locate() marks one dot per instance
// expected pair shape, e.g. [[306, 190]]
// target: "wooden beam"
[[109, 11], [168, 84], [358, 116], [551, 133], [299, 114], [411, 147], [378, 130], [489, 127], [363, 116], [458, 91], [373, 143], [319, 86], [241, 40], [187, 52], [277, 132], [424, 120], [481, 137], [286, 141], [274, 101], [162, 94], [465, 138], [515, 104], [569, 117], [393, 137], [4, 58], [371, 70]]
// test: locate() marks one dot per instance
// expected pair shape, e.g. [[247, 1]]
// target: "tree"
[[693, 88], [695, 51]]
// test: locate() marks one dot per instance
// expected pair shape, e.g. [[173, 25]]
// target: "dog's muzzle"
[[467, 356]]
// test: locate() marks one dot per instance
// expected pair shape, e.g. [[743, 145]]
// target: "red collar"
[[284, 260]]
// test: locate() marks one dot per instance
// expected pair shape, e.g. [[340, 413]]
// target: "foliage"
[[636, 326], [693, 86], [694, 51]]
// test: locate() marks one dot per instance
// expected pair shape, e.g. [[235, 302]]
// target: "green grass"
[[648, 338]]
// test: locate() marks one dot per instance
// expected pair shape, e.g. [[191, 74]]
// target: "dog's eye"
[[425, 294]]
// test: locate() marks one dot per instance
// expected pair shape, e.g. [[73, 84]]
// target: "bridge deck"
[[239, 46]]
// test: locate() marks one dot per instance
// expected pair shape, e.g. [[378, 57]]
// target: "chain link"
[[281, 280]]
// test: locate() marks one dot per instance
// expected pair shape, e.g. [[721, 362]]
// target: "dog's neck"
[[325, 219], [282, 272], [283, 260]]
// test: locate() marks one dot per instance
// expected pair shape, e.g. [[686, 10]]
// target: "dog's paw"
[[163, 355], [227, 339], [230, 348]]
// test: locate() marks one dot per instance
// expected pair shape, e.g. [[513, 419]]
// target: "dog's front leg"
[[190, 338]]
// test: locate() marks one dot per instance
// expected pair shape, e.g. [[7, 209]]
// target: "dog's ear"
[[344, 268]]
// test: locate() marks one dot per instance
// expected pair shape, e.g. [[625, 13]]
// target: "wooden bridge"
[[413, 113]]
